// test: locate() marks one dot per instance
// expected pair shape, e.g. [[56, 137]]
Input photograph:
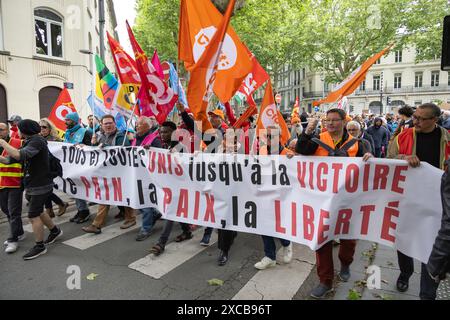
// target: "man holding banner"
[[334, 142], [426, 142], [76, 134]]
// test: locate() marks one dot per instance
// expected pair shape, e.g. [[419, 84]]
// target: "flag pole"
[[93, 86], [131, 118]]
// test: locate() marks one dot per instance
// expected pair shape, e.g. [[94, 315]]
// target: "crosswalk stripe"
[[174, 255], [87, 241], [281, 282], [61, 220]]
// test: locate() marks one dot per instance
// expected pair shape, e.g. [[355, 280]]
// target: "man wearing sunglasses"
[[425, 142]]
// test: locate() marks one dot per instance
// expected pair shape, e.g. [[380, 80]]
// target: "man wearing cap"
[[34, 156], [76, 134], [13, 121], [217, 119]]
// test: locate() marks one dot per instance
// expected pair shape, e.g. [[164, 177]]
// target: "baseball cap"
[[218, 113], [15, 118]]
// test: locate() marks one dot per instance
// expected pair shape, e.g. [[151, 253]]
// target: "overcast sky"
[[125, 10]]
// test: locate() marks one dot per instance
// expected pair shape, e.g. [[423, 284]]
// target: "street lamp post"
[[381, 91], [101, 21]]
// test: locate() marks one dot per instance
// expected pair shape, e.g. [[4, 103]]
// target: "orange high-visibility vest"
[[263, 151], [11, 174], [326, 138]]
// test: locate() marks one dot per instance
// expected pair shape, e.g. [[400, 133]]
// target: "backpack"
[[342, 152], [55, 167]]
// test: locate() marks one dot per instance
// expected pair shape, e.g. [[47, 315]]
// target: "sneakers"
[[53, 236], [223, 258], [62, 209], [12, 247], [321, 291], [265, 263], [344, 274], [142, 236], [75, 217], [158, 216], [92, 229], [21, 238], [35, 252], [402, 284], [128, 224], [287, 254], [205, 240]]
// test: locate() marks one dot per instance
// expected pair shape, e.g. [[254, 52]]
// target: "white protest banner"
[[308, 200]]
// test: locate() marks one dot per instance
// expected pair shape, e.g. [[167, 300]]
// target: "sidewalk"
[[367, 254]]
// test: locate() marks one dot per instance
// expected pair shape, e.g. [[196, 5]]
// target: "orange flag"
[[204, 70], [349, 85], [203, 31], [271, 116], [62, 107]]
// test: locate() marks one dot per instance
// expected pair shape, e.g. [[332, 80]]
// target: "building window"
[[303, 91], [418, 82], [362, 87], [49, 33], [378, 61], [435, 79], [376, 83], [310, 86], [397, 81], [398, 56], [47, 98], [448, 79], [303, 73]]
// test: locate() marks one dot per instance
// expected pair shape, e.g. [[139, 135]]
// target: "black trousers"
[[226, 239], [11, 205], [428, 287], [53, 197]]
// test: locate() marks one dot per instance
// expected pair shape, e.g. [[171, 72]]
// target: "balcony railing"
[[404, 89]]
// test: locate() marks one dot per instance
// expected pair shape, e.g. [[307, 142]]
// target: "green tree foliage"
[[334, 36]]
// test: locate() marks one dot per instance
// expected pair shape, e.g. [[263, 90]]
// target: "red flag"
[[62, 107], [159, 95], [125, 65], [157, 64], [255, 79]]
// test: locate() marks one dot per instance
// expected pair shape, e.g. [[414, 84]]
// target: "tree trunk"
[[221, 5]]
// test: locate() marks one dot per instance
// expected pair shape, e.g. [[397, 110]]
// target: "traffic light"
[[389, 101]]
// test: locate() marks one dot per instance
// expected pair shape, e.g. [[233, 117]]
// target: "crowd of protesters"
[[414, 134]]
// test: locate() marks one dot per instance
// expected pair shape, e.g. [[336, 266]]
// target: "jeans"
[[208, 231], [168, 230], [11, 205], [428, 286], [81, 205], [148, 219], [270, 249], [53, 197]]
